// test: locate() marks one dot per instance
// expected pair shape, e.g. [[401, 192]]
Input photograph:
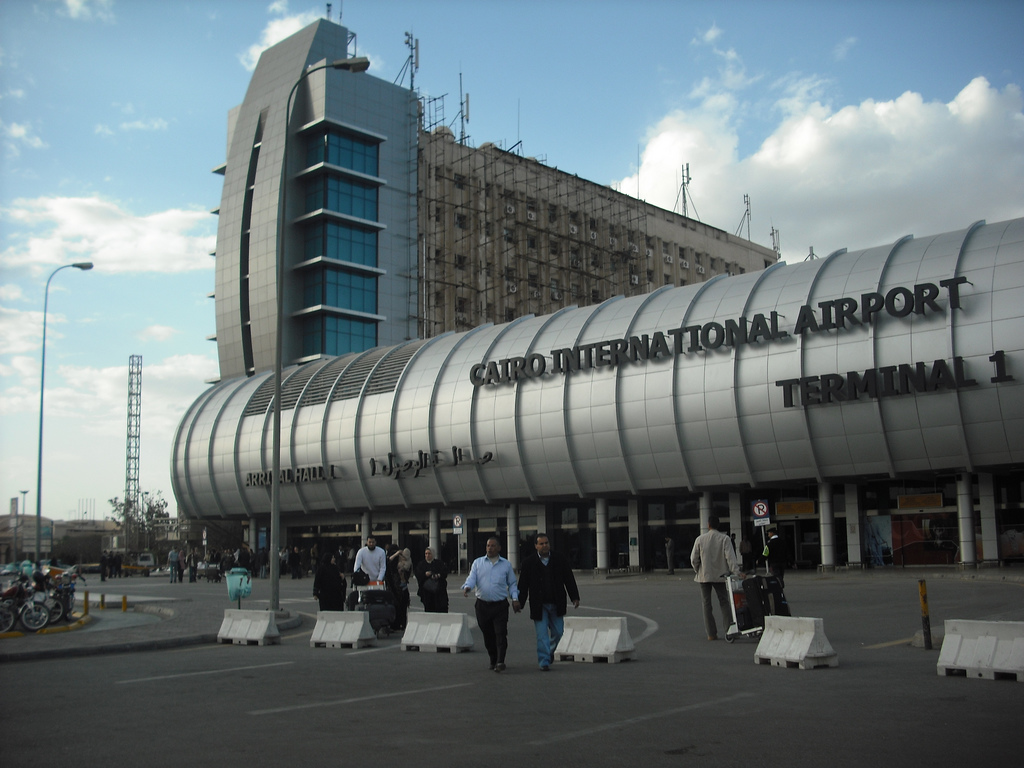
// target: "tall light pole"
[[355, 64], [83, 265]]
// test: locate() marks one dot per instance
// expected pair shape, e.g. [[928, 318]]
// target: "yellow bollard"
[[926, 622], [103, 602], [85, 605], [124, 603]]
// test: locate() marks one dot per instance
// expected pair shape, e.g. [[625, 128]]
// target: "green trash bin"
[[239, 584]]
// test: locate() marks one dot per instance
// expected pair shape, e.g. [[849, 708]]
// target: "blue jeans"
[[549, 632]]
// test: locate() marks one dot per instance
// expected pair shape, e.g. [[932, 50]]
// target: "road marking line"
[[357, 700], [890, 644], [206, 672], [639, 719]]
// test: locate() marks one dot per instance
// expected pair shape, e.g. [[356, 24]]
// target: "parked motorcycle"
[[61, 598], [20, 601]]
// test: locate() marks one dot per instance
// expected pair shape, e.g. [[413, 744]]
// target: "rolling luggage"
[[751, 600], [380, 604]]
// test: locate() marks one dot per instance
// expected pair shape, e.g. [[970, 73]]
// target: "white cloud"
[[88, 9], [57, 230], [276, 31], [18, 135], [20, 331], [10, 292], [86, 417], [153, 124], [843, 48], [158, 333], [710, 35], [860, 176]]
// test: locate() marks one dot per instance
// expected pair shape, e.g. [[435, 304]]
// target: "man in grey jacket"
[[713, 558]]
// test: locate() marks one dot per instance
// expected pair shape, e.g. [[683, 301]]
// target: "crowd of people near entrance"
[[544, 586]]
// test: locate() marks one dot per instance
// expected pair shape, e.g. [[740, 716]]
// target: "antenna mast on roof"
[[776, 242], [412, 61], [463, 112], [328, 11], [746, 217]]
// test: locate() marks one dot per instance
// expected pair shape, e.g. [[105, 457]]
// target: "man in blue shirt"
[[494, 581], [545, 580]]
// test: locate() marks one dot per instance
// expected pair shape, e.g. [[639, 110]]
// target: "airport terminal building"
[[869, 404]]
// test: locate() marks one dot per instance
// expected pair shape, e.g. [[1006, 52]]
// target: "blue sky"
[[848, 124]]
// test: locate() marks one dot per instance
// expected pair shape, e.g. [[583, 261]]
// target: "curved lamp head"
[[83, 265], [355, 64]]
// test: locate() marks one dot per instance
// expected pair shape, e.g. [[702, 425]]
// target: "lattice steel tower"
[[132, 492]]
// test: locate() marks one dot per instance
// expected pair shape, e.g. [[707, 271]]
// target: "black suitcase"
[[754, 605], [774, 599], [380, 604]]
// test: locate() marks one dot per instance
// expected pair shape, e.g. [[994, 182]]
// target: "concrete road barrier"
[[595, 639], [342, 629], [991, 650], [795, 641], [437, 632], [244, 627]]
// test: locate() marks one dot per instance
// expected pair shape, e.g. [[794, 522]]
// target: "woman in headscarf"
[[329, 585]]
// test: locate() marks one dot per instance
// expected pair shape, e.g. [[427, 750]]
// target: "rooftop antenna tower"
[[684, 189], [745, 218], [328, 11], [684, 193], [131, 469], [412, 61], [776, 242], [463, 112]]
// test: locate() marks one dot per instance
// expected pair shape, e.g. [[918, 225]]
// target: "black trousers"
[[492, 618]]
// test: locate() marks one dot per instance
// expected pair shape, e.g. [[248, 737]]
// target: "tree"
[[138, 524]]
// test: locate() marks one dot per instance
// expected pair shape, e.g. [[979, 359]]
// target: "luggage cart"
[[747, 608]]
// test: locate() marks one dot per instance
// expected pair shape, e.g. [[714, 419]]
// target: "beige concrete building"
[[502, 236]]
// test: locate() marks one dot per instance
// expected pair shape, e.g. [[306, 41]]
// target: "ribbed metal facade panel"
[[726, 393]]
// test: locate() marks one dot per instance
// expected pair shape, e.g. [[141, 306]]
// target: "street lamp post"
[[83, 265], [355, 64]]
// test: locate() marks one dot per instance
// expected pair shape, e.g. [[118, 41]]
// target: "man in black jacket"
[[546, 578]]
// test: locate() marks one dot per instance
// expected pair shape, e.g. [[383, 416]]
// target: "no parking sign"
[[457, 524], [760, 510]]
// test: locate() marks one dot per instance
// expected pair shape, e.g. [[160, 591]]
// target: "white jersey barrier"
[[437, 632], [595, 639], [342, 629], [993, 650], [243, 627], [795, 641]]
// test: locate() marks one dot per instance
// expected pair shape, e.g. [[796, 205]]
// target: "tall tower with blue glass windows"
[[340, 169]]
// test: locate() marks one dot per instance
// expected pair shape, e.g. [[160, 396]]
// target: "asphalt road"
[[682, 700]]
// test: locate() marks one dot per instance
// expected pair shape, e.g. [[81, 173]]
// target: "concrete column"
[[601, 509], [854, 553], [434, 535], [965, 517], [512, 535], [705, 510], [367, 527], [636, 534], [735, 518], [989, 534], [826, 527]]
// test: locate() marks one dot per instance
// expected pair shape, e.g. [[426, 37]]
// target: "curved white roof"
[[897, 359]]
